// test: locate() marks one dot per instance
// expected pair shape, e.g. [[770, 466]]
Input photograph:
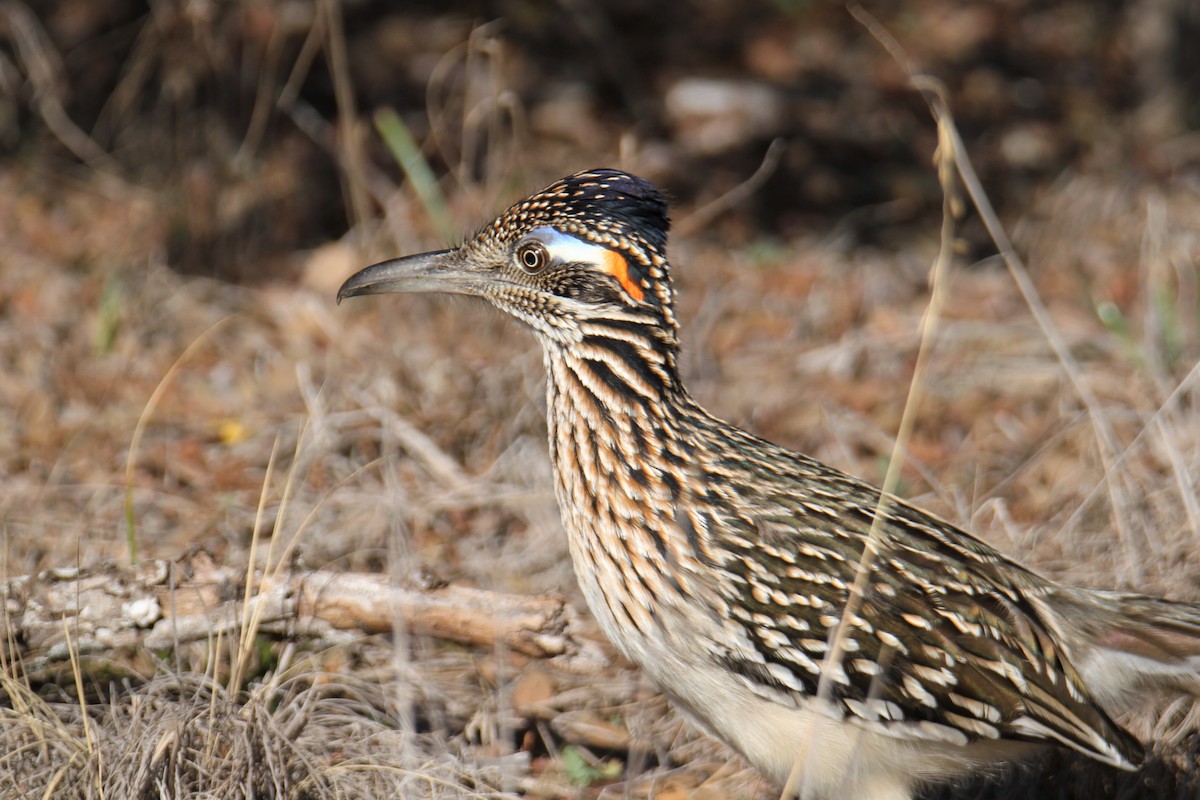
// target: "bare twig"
[[42, 68], [1106, 440], [349, 130], [140, 429], [831, 666], [707, 213]]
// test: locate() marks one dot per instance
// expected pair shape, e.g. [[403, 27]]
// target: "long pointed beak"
[[440, 271]]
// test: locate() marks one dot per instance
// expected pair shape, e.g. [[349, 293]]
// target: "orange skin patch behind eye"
[[616, 265]]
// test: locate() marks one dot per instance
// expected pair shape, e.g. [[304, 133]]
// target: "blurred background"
[[185, 183], [253, 124]]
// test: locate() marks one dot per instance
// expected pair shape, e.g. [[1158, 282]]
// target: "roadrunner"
[[733, 571]]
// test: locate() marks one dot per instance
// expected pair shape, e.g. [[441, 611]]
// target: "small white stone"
[[144, 612]]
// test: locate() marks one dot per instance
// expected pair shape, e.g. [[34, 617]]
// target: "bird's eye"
[[533, 256]]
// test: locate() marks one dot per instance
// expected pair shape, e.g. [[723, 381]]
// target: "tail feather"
[[1133, 644]]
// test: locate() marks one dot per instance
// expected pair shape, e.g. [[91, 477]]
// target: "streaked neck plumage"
[[623, 441]]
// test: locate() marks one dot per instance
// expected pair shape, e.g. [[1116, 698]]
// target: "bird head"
[[590, 247]]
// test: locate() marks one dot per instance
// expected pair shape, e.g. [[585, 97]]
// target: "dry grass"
[[408, 436], [185, 735]]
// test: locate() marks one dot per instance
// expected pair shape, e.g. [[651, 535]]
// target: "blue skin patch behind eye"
[[564, 247]]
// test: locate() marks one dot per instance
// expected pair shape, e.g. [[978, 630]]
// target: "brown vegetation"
[[185, 186]]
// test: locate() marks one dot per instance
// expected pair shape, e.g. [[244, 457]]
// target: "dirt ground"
[[185, 185]]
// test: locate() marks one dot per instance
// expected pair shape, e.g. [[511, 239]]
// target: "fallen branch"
[[113, 613]]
